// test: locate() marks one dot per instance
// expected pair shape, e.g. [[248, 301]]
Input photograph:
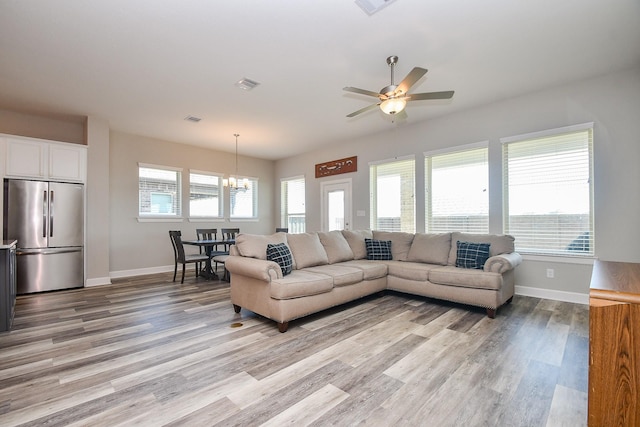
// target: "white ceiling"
[[144, 65]]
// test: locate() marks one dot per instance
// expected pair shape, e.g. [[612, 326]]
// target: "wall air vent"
[[372, 6], [193, 119], [246, 84]]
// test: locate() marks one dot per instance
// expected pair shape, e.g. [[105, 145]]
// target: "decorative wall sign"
[[335, 167]]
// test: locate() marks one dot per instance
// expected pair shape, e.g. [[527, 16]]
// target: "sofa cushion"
[[355, 239], [378, 249], [336, 246], [255, 245], [370, 270], [410, 270], [307, 250], [300, 284], [281, 254], [472, 255], [342, 275], [500, 243], [400, 242], [466, 278], [430, 248]]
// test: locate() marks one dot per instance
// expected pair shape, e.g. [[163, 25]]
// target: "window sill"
[[159, 219], [586, 260], [204, 219]]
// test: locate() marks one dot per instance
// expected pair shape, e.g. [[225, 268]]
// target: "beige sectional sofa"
[[332, 268]]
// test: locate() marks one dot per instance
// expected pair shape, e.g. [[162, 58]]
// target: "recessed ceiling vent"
[[193, 119], [372, 6], [246, 84]]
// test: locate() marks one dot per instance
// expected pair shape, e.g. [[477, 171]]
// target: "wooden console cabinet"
[[614, 345]]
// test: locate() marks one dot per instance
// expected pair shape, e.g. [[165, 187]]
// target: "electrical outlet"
[[550, 273]]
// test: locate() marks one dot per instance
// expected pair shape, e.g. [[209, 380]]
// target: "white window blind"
[[205, 195], [159, 191], [548, 191], [392, 187], [244, 201], [292, 204], [457, 191]]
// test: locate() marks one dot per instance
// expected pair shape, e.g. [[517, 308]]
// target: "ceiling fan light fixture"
[[393, 105]]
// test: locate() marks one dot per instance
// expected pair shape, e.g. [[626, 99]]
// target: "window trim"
[[284, 214], [428, 207], [221, 197], [577, 258], [373, 190], [155, 217], [256, 201]]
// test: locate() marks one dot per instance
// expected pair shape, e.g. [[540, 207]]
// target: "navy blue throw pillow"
[[472, 255], [281, 254], [378, 249]]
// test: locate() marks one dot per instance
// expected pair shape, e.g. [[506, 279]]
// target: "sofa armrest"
[[503, 262], [253, 267]]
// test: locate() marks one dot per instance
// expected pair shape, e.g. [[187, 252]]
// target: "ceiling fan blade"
[[415, 75], [362, 110], [430, 95], [361, 91]]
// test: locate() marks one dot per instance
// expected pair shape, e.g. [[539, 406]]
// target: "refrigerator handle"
[[44, 214], [51, 215]]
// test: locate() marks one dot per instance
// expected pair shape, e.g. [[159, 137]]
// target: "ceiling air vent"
[[193, 119], [372, 6], [246, 84]]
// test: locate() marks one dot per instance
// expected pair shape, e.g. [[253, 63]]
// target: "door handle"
[[51, 215], [44, 214]]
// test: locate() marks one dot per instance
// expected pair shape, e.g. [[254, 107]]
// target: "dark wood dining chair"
[[181, 257], [282, 230], [209, 234], [227, 234]]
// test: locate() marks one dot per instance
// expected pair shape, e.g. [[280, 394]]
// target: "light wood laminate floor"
[[146, 351]]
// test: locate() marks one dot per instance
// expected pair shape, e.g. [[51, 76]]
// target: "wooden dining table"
[[209, 244]]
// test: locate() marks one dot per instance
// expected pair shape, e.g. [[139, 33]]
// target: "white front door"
[[336, 205]]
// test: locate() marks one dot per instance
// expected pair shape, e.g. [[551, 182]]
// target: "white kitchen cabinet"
[[42, 159]]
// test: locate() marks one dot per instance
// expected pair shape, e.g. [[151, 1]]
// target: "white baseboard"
[[553, 295], [97, 281], [140, 271], [528, 291]]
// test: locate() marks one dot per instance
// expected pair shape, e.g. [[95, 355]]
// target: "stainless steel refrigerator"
[[47, 219]]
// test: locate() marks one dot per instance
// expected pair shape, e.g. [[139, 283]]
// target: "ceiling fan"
[[394, 98]]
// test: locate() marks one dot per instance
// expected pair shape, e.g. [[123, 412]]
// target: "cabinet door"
[[67, 163], [26, 158]]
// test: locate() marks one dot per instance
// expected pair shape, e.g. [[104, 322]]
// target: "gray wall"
[[144, 246], [118, 243], [612, 102]]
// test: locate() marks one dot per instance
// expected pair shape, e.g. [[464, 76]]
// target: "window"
[[292, 204], [548, 189], [392, 185], [158, 191], [244, 200], [205, 195], [456, 190]]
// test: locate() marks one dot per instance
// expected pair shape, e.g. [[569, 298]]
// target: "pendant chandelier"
[[233, 182]]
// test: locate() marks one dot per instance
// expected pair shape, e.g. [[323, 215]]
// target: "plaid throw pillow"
[[472, 255], [378, 249], [281, 254]]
